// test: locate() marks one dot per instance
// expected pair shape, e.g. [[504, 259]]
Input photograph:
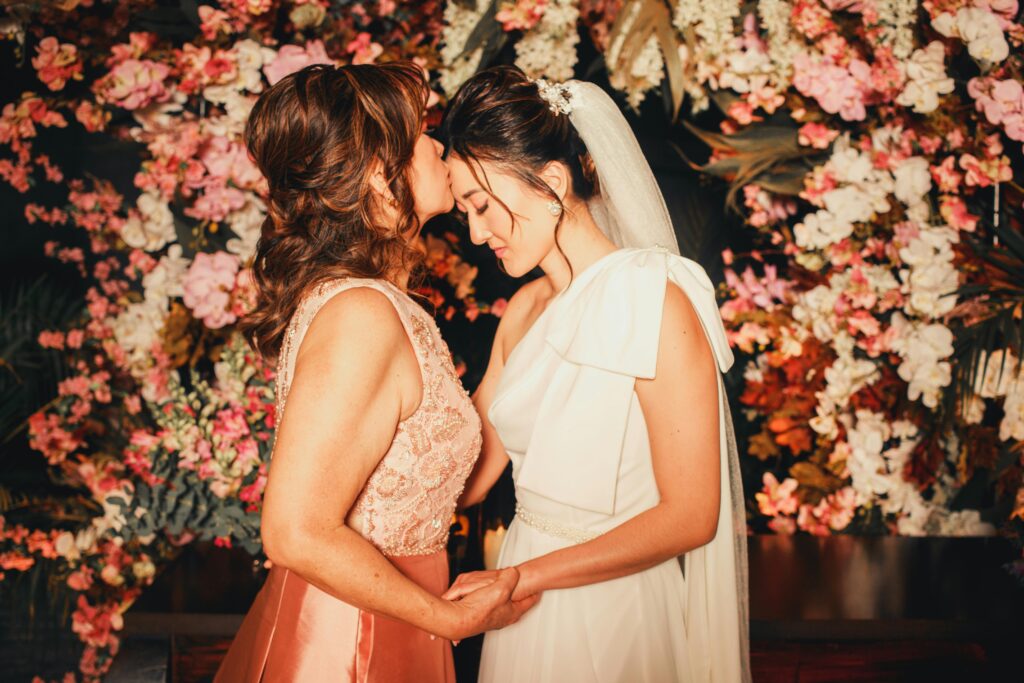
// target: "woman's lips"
[[500, 251]]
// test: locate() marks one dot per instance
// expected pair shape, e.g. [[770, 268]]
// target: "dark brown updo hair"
[[498, 116], [317, 136]]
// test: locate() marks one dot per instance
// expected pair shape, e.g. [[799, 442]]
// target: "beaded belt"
[[553, 528]]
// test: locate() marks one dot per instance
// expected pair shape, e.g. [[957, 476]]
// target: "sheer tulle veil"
[[631, 211]]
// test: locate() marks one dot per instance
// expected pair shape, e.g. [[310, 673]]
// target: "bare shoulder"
[[683, 341], [357, 315], [679, 314], [523, 308]]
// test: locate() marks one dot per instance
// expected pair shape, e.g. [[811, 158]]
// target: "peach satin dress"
[[296, 632]]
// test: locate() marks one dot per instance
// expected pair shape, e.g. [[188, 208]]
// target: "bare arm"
[[355, 379], [493, 457], [680, 406]]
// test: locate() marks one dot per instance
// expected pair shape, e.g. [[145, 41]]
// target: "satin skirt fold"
[[296, 632]]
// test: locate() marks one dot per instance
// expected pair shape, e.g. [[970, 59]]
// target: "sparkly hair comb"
[[559, 96]]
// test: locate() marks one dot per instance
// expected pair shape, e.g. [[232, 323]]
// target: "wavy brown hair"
[[318, 136]]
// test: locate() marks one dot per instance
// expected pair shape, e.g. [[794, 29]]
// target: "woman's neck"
[[582, 244]]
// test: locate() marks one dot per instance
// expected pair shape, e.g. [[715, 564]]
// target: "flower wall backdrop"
[[872, 146]]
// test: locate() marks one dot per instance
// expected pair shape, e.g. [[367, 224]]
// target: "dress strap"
[[315, 300]]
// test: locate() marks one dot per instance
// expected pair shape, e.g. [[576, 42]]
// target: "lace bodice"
[[407, 504]]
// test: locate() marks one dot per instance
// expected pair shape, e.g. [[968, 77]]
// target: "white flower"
[[932, 278], [164, 282], [754, 371], [963, 523], [246, 223], [924, 348], [913, 180], [66, 547], [136, 329], [549, 48], [974, 411], [1012, 425], [250, 57], [980, 29], [945, 25], [459, 24], [144, 569], [820, 229], [152, 226], [815, 309], [866, 438], [926, 79]]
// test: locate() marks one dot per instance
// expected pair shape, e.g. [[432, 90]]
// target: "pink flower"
[[19, 120], [946, 176], [96, 625], [811, 19], [227, 160], [291, 58], [784, 526], [1002, 103], [244, 295], [133, 84], [208, 286], [520, 15], [985, 172], [16, 561], [499, 307], [80, 580], [742, 112], [56, 63], [216, 202], [213, 21], [51, 340], [363, 49], [816, 135], [47, 436], [776, 499], [229, 425], [837, 89], [954, 212], [833, 513]]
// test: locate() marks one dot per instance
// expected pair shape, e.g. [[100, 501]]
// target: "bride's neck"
[[582, 243]]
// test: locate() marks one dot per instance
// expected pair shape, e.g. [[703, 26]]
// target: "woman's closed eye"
[[480, 209]]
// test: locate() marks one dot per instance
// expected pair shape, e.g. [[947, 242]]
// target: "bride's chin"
[[514, 270]]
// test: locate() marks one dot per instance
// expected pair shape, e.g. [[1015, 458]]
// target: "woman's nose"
[[477, 235]]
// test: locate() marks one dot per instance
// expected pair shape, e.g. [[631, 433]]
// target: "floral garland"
[[166, 420], [872, 198]]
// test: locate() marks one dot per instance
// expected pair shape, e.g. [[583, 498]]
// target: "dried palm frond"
[[997, 304], [29, 373], [766, 154], [636, 22]]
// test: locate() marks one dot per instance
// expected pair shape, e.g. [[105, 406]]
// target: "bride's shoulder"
[[527, 301]]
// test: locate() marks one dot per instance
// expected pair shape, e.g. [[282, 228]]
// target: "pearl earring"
[[554, 208]]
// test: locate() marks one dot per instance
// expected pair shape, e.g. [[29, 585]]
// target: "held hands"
[[472, 581], [484, 601]]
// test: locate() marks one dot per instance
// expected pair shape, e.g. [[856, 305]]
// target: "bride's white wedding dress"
[[568, 415]]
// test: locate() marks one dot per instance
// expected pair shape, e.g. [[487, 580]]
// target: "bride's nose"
[[478, 234]]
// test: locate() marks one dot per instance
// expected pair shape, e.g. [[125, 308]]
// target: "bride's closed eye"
[[478, 209]]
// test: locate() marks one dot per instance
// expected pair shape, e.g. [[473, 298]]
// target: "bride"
[[604, 390]]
